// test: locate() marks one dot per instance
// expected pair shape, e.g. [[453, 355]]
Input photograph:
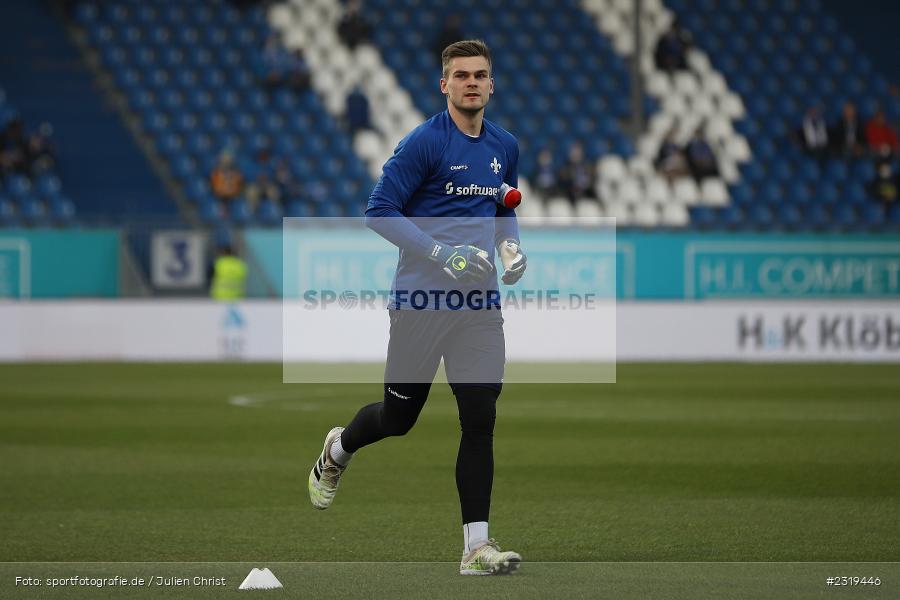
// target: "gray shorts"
[[471, 342]]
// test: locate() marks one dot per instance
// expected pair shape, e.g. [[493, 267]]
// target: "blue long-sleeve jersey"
[[441, 187]]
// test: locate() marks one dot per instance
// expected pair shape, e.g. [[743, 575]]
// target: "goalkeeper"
[[440, 199]]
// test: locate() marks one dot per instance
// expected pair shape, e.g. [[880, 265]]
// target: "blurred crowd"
[[851, 137]]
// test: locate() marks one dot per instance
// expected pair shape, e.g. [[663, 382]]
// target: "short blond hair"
[[462, 49]]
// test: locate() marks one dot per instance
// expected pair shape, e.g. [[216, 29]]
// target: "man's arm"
[[506, 235], [507, 225], [393, 226], [402, 175]]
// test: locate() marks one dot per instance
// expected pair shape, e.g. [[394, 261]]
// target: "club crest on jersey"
[[495, 166]]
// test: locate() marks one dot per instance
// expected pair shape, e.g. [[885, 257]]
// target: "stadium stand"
[[103, 174], [782, 57], [30, 189], [190, 74], [577, 86]]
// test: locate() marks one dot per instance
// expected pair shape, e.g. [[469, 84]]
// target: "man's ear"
[[443, 85]]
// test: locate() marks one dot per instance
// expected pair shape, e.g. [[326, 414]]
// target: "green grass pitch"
[[674, 463]]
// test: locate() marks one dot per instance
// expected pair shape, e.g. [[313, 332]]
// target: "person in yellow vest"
[[229, 280]]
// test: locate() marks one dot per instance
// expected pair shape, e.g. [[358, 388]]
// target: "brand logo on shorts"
[[458, 167], [402, 397]]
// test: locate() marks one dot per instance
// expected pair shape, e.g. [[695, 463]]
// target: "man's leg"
[[412, 361], [475, 459], [475, 359], [413, 356], [395, 415]]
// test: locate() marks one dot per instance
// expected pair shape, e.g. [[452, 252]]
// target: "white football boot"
[[325, 474]]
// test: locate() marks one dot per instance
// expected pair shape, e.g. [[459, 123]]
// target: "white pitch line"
[[281, 400]]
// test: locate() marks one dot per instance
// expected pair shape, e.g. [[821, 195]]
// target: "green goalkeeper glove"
[[514, 261], [465, 264]]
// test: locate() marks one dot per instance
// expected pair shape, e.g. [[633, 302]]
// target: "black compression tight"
[[397, 413]]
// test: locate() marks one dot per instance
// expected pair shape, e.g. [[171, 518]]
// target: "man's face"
[[468, 84]]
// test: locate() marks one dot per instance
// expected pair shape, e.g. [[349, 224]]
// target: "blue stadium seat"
[[8, 213], [33, 211], [836, 171], [855, 193], [169, 144], [874, 216], [798, 193], [893, 215], [239, 211], [790, 216], [298, 208], [732, 217], [211, 211], [761, 216], [172, 100], [742, 195], [703, 217], [184, 167], [48, 186], [62, 210], [329, 209], [142, 100], [269, 213], [197, 189], [19, 186], [863, 170], [200, 57], [817, 216], [827, 193], [845, 216], [86, 13]]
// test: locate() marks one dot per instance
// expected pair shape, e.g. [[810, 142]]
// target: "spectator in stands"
[[262, 188], [450, 33], [298, 71], [670, 160], [41, 152], [357, 114], [545, 179], [700, 156], [13, 148], [226, 180], [353, 28], [880, 134], [885, 187], [577, 176], [671, 49], [275, 62], [245, 5], [289, 188], [814, 134], [278, 66], [847, 136]]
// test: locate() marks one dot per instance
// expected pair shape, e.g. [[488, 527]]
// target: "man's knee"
[[477, 408], [401, 408]]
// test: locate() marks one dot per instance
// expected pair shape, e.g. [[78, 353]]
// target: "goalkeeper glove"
[[514, 261], [465, 264]]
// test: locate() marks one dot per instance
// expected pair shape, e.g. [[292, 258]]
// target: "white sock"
[[475, 534], [338, 454]]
